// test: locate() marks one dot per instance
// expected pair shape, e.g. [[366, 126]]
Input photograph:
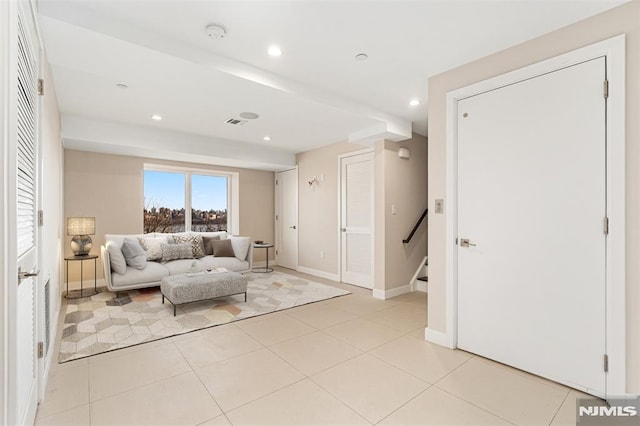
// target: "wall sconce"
[[313, 180], [404, 153], [80, 228]]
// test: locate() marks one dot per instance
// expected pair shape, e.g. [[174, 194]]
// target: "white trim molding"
[[318, 273], [614, 51], [389, 294]]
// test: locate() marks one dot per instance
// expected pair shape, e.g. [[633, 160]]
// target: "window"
[[178, 199]]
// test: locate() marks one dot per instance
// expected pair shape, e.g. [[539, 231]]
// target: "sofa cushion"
[[119, 238], [152, 273], [208, 249], [231, 263], [133, 253], [222, 248], [153, 246], [240, 246], [176, 251], [118, 263], [195, 240], [182, 266]]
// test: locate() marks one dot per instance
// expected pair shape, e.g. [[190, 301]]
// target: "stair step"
[[426, 279]]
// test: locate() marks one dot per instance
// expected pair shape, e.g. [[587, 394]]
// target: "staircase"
[[421, 280]]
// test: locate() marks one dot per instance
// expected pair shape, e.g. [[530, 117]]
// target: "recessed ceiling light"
[[267, 138], [249, 115], [361, 57], [122, 86], [274, 51], [156, 117], [414, 102]]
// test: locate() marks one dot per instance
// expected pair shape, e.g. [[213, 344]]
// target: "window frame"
[[233, 191]]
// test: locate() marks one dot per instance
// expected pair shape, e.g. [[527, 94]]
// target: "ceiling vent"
[[235, 121]]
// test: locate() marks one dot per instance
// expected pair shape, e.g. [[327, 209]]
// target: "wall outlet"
[[321, 254], [394, 209], [439, 208]]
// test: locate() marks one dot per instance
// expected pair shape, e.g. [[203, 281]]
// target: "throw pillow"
[[195, 240], [222, 248], [208, 250], [134, 254], [176, 251], [152, 245], [116, 258], [240, 246]]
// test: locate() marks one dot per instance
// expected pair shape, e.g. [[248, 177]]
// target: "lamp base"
[[81, 245]]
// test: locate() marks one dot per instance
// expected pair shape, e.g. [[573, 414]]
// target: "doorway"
[[356, 219], [520, 203], [287, 218]]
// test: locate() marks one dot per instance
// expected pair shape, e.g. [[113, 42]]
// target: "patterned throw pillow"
[[195, 240], [176, 251], [152, 245]]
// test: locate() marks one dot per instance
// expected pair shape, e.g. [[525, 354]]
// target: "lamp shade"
[[81, 226]]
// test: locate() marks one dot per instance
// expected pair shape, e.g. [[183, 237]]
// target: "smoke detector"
[[216, 31]]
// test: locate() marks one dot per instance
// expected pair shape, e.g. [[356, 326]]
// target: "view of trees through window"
[[169, 208]]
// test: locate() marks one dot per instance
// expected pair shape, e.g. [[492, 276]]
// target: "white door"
[[287, 218], [532, 203], [26, 196], [356, 219]]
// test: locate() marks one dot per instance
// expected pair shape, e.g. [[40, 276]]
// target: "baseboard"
[[317, 273], [422, 286], [438, 337], [394, 292], [75, 285]]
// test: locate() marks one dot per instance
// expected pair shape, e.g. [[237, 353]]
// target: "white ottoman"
[[180, 289]]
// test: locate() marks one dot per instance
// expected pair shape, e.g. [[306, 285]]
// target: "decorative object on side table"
[[80, 228], [266, 246], [95, 277]]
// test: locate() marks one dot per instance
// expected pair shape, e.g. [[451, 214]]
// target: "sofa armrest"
[[106, 266], [250, 257]]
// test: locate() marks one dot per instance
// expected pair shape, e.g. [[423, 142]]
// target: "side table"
[[81, 259], [264, 269]]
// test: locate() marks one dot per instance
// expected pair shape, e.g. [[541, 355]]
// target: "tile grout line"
[[559, 408]]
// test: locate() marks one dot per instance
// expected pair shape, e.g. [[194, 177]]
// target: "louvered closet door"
[[26, 160]]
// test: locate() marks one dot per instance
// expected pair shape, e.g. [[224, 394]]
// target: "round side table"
[[81, 259], [264, 269]]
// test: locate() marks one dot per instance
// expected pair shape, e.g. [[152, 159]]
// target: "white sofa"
[[154, 271]]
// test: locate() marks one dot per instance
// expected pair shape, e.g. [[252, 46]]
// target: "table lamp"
[[80, 228]]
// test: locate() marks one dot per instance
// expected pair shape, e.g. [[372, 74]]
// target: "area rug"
[[104, 322]]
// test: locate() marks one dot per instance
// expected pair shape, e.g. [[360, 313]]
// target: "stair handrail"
[[415, 228]]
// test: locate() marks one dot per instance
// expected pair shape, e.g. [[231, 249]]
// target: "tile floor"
[[353, 360]]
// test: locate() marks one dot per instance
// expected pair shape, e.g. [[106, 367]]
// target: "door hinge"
[[40, 349], [606, 89], [276, 217], [276, 252], [40, 218], [606, 363], [276, 181], [606, 226], [40, 87], [456, 241]]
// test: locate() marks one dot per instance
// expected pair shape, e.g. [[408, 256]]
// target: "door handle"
[[464, 242], [292, 227], [25, 275]]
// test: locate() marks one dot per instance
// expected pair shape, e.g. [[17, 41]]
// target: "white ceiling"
[[315, 94]]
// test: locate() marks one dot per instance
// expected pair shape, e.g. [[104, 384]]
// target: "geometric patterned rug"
[[104, 322]]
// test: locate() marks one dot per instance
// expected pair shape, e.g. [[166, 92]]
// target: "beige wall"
[[405, 186], [318, 207], [399, 182], [110, 187], [622, 20]]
